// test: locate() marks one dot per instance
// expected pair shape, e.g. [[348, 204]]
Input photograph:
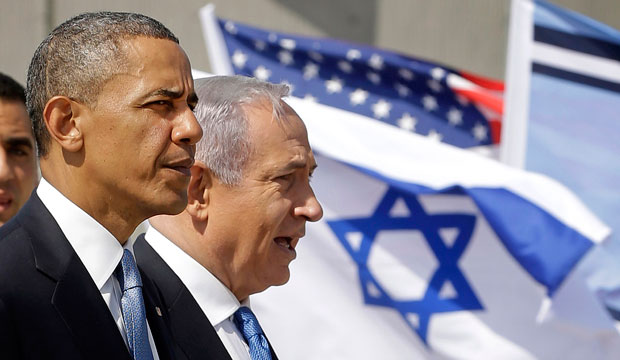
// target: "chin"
[[169, 209], [172, 205], [282, 278]]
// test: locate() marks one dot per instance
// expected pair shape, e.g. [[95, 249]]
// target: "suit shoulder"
[[13, 239], [16, 254]]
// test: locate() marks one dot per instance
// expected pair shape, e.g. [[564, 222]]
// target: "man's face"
[[142, 132], [259, 222], [18, 169]]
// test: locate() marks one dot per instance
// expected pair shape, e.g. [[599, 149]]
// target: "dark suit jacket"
[[50, 308], [191, 329]]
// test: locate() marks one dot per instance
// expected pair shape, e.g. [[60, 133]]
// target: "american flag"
[[451, 106]]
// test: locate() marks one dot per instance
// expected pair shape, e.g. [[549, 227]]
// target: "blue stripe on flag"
[[577, 43], [575, 77], [555, 17], [545, 247]]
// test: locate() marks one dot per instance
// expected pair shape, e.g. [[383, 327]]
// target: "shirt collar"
[[217, 302], [96, 247]]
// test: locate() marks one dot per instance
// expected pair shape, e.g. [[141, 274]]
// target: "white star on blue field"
[[372, 82], [447, 257]]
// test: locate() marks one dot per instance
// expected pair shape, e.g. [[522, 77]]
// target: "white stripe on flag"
[[576, 62], [436, 165]]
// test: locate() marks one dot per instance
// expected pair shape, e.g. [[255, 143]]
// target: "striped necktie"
[[248, 325], [132, 307]]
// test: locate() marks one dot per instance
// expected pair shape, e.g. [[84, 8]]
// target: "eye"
[[285, 177], [21, 151], [162, 102]]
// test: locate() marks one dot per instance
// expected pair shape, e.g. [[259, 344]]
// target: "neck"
[[83, 192], [191, 236]]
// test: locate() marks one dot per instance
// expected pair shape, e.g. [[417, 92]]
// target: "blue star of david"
[[447, 257]]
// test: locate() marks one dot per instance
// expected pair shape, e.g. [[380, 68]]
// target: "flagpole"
[[518, 67], [214, 41]]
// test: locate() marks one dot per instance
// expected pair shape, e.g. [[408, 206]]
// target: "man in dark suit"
[[110, 97], [249, 199]]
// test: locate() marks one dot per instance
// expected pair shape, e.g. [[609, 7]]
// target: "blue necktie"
[[253, 334], [132, 306]]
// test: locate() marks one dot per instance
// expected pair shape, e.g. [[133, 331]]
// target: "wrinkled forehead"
[[282, 121], [153, 65]]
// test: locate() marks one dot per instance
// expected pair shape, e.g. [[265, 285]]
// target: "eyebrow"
[[298, 164], [173, 94], [19, 141]]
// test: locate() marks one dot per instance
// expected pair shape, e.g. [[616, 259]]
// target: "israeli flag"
[[428, 251]]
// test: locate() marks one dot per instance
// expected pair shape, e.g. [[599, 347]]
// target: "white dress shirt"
[[217, 302], [96, 247]]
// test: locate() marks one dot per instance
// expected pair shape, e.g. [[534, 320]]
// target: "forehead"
[[275, 142], [151, 64], [14, 119]]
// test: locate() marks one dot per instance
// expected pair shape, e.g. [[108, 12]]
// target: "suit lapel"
[[273, 353], [76, 297], [80, 304], [191, 329], [155, 314], [194, 332]]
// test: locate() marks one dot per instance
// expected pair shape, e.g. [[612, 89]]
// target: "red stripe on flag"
[[491, 101], [496, 130], [486, 83]]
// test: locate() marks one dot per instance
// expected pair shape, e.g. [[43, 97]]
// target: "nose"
[[187, 130], [310, 208], [6, 172]]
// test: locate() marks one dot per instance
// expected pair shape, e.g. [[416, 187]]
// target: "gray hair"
[[78, 57], [225, 145]]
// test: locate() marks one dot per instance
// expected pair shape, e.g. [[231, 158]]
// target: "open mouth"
[[5, 204], [285, 242]]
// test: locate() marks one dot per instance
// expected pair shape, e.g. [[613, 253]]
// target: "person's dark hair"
[[79, 56], [11, 90]]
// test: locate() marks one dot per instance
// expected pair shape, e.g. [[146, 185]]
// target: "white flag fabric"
[[427, 251]]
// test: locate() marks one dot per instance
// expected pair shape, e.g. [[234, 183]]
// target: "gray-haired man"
[[110, 96], [249, 199]]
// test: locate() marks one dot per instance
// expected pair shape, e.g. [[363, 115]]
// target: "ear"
[[61, 116], [198, 191]]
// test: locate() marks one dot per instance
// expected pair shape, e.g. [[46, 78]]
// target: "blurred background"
[[470, 35]]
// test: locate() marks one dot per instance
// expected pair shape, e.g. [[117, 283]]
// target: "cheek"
[[152, 142], [279, 210], [158, 135], [25, 173]]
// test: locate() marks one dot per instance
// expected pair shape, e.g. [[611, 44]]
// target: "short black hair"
[[11, 90], [79, 56]]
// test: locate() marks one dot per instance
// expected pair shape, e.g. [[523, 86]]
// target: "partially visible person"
[[18, 165], [110, 96], [249, 199]]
